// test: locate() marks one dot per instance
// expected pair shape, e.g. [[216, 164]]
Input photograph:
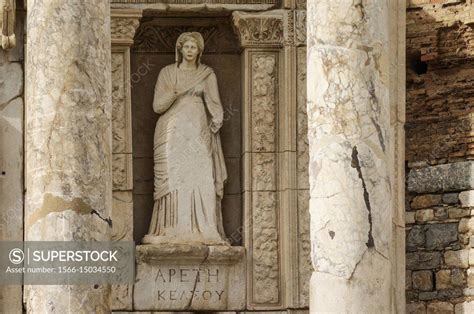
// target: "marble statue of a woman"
[[189, 164]]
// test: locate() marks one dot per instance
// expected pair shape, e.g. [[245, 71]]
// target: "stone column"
[[355, 130], [68, 138]]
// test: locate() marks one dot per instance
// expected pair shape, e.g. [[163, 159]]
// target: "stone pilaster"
[[124, 23], [68, 138], [261, 36], [355, 129], [275, 204]]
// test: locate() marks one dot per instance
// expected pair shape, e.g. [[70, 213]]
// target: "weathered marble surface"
[[68, 138], [189, 277], [11, 167], [351, 105]]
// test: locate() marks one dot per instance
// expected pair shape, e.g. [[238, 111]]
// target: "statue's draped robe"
[[189, 164]]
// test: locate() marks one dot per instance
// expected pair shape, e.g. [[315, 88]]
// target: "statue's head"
[[189, 41]]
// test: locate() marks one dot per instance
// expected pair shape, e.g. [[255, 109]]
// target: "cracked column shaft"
[[68, 139], [355, 116]]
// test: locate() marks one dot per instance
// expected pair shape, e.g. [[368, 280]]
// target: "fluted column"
[[68, 138], [355, 129]]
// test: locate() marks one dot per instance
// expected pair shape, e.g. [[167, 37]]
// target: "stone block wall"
[[439, 228], [439, 154]]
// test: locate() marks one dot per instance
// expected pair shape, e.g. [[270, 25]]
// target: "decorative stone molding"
[[259, 29], [121, 141], [264, 100], [271, 29], [123, 24], [7, 20], [188, 2], [160, 35], [300, 27], [289, 28], [260, 166], [265, 238], [295, 28]]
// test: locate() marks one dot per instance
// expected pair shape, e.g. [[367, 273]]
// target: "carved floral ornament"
[[7, 20], [273, 28], [123, 24], [259, 29]]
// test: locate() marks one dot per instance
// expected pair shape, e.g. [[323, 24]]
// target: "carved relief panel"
[[260, 163]]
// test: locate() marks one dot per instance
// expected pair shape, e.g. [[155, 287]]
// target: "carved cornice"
[[123, 24], [7, 21], [259, 29]]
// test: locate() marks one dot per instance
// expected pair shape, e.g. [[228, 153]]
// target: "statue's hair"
[[184, 37]]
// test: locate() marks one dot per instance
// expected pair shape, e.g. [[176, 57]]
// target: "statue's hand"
[[216, 125], [199, 88]]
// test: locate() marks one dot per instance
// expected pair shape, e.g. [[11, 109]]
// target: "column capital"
[[259, 29], [276, 28], [123, 24]]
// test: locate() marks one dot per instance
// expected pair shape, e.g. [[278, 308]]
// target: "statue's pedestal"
[[189, 277]]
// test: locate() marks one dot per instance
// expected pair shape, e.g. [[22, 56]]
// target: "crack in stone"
[[189, 306], [360, 6], [107, 220], [356, 164], [361, 258], [356, 265], [379, 133]]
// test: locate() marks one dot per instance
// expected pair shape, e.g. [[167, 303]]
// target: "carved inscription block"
[[176, 277]]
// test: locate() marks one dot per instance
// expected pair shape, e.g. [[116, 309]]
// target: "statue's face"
[[190, 51]]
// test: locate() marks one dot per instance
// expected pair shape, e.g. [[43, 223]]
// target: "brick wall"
[[440, 82], [439, 153]]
